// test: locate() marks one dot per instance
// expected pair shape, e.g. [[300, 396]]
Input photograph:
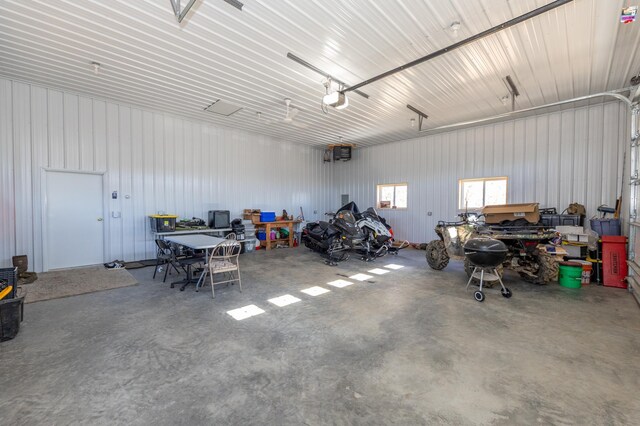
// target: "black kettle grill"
[[486, 254]]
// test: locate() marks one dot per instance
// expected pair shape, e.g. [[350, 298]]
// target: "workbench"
[[268, 226]]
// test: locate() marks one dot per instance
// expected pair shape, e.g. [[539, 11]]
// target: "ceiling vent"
[[221, 107]]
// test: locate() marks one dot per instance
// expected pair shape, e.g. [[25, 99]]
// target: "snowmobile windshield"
[[372, 213], [346, 215], [351, 207]]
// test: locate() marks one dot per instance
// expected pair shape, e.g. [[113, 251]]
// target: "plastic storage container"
[[553, 220], [614, 261], [9, 277], [249, 245], [267, 217], [163, 222], [606, 226], [10, 317], [262, 235]]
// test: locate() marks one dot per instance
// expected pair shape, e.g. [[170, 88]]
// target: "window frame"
[[484, 180], [394, 185]]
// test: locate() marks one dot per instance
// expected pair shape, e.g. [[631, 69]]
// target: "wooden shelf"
[[277, 240]]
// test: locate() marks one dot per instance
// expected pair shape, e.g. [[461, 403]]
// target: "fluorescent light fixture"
[[336, 99], [315, 291], [285, 300], [379, 271], [360, 277], [245, 312], [340, 283], [393, 266]]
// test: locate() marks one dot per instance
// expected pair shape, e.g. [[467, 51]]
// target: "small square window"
[[477, 193], [392, 196]]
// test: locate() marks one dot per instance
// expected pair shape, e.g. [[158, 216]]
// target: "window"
[[476, 193], [392, 196]]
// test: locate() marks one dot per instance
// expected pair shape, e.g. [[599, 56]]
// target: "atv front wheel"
[[437, 256]]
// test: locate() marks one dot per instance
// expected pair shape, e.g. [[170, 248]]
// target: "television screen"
[[342, 152], [219, 219]]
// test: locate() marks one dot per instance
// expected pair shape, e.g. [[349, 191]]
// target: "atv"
[[522, 240]]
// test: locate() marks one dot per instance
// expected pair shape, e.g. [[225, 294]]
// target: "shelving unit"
[[269, 226]]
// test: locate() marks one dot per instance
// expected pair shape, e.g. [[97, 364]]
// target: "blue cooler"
[[267, 217]]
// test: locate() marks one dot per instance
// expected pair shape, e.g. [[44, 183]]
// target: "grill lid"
[[485, 245]]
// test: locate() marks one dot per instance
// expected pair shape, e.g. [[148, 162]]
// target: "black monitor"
[[219, 219], [342, 152]]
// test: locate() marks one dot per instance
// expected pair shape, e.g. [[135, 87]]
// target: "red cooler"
[[614, 261]]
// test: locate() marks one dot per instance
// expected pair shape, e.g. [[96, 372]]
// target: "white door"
[[74, 223]]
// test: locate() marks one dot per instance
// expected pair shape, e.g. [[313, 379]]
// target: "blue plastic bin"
[[262, 235], [606, 226], [267, 217]]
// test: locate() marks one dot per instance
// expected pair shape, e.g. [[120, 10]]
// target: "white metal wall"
[[163, 162], [555, 159]]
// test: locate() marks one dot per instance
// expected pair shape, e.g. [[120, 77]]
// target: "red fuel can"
[[614, 261]]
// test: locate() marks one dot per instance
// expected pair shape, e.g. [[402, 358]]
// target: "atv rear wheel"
[[548, 270], [437, 256]]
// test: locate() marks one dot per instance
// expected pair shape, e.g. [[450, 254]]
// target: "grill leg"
[[471, 277], [481, 278], [495, 271]]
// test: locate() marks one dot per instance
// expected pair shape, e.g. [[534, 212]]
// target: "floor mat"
[[139, 264], [71, 282]]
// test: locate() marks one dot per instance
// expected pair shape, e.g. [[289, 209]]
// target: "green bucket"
[[570, 275]]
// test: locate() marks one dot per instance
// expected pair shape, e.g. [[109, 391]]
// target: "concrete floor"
[[410, 347]]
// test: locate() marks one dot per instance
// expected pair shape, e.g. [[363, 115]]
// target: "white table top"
[[192, 231], [196, 241]]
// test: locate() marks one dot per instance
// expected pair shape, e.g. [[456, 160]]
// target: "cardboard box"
[[570, 229], [573, 233], [500, 213], [255, 217], [248, 213], [577, 238]]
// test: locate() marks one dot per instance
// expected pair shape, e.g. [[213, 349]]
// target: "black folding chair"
[[165, 256]]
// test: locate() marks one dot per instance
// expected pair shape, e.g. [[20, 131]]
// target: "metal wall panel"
[[554, 158], [156, 162], [7, 199]]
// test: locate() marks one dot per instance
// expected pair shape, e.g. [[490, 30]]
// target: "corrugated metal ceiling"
[[219, 52]]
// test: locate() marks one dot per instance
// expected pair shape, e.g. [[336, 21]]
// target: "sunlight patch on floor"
[[285, 300], [340, 283], [245, 312], [315, 291]]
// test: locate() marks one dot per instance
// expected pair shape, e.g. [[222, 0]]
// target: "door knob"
[[100, 219]]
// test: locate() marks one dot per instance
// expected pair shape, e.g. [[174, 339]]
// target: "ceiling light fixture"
[[513, 91], [96, 67], [336, 99], [454, 27], [421, 116]]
